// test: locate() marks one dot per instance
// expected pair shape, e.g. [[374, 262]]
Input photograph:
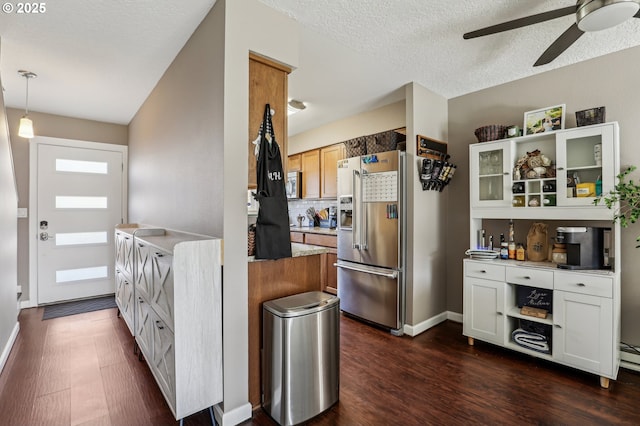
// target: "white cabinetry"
[[491, 165], [493, 185], [124, 276], [178, 313], [582, 327]]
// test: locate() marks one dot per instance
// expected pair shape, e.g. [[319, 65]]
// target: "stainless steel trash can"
[[300, 356]]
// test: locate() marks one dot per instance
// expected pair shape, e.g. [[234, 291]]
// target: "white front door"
[[79, 201]]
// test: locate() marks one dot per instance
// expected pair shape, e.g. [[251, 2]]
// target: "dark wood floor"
[[81, 370]]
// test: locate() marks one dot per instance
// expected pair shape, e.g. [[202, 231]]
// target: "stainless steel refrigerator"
[[371, 238]]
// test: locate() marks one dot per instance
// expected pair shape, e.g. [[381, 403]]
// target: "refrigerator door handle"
[[365, 228], [355, 227], [393, 275]]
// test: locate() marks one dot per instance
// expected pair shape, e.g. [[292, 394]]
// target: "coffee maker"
[[585, 247]]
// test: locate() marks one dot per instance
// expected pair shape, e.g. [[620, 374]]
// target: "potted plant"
[[627, 194]]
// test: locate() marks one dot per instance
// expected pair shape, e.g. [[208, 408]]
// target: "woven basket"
[[355, 147], [590, 116], [251, 241], [490, 133]]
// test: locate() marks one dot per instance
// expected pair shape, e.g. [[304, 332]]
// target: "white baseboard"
[[7, 348], [454, 316], [414, 330], [232, 417]]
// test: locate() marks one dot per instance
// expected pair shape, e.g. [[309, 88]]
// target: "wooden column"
[[267, 85]]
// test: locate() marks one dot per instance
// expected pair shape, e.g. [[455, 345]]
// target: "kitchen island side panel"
[[268, 280]]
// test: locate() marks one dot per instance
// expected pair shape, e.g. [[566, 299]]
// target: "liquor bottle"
[[504, 248], [512, 242]]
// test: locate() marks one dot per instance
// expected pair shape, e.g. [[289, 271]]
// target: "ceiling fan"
[[591, 15]]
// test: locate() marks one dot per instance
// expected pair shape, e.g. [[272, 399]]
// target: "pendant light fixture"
[[26, 125]]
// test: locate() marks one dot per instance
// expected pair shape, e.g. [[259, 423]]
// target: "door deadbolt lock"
[[44, 236], [44, 224]]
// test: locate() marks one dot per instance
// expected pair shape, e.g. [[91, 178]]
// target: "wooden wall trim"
[[270, 62]]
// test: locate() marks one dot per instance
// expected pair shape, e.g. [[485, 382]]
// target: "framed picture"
[[544, 120]]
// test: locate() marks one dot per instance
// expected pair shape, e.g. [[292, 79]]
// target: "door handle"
[[393, 275], [355, 209], [44, 236]]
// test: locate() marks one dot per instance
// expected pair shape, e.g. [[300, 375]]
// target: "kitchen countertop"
[[314, 230], [298, 249]]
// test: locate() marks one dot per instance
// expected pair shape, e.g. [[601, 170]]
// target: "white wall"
[[250, 27], [8, 242], [381, 119], [426, 115]]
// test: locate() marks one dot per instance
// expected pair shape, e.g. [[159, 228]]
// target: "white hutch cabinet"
[[169, 294], [584, 320]]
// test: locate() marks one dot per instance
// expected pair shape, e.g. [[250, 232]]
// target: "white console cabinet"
[[171, 301], [583, 325]]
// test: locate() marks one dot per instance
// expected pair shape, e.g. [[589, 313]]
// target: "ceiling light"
[[596, 15], [295, 106], [26, 125]]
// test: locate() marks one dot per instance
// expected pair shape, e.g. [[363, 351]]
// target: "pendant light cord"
[[26, 103]]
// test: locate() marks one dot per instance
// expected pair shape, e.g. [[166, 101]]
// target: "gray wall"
[[58, 127], [8, 241], [610, 81], [176, 140]]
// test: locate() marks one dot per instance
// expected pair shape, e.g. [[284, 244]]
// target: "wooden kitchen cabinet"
[[329, 157], [319, 169], [267, 85], [310, 161], [328, 272], [294, 163]]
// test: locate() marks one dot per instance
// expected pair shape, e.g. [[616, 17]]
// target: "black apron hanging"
[[273, 240]]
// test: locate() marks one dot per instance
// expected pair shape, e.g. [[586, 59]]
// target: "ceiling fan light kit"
[[597, 15], [591, 15]]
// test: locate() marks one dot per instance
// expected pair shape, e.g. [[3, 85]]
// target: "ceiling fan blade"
[[637, 15], [521, 22], [561, 44]]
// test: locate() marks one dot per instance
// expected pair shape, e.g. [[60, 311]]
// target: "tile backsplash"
[[299, 207]]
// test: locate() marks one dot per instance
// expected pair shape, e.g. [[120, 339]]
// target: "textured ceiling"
[[99, 59], [421, 41]]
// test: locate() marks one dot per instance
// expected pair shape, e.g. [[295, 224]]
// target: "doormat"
[[78, 307]]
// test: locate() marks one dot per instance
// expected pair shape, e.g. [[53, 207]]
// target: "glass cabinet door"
[[585, 164], [490, 174]]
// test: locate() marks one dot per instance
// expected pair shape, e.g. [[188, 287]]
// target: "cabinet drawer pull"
[[506, 173], [581, 284], [160, 327], [557, 326], [526, 277], [158, 254], [559, 168], [499, 313], [482, 271]]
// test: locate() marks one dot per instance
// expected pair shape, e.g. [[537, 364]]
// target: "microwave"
[[293, 185]]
